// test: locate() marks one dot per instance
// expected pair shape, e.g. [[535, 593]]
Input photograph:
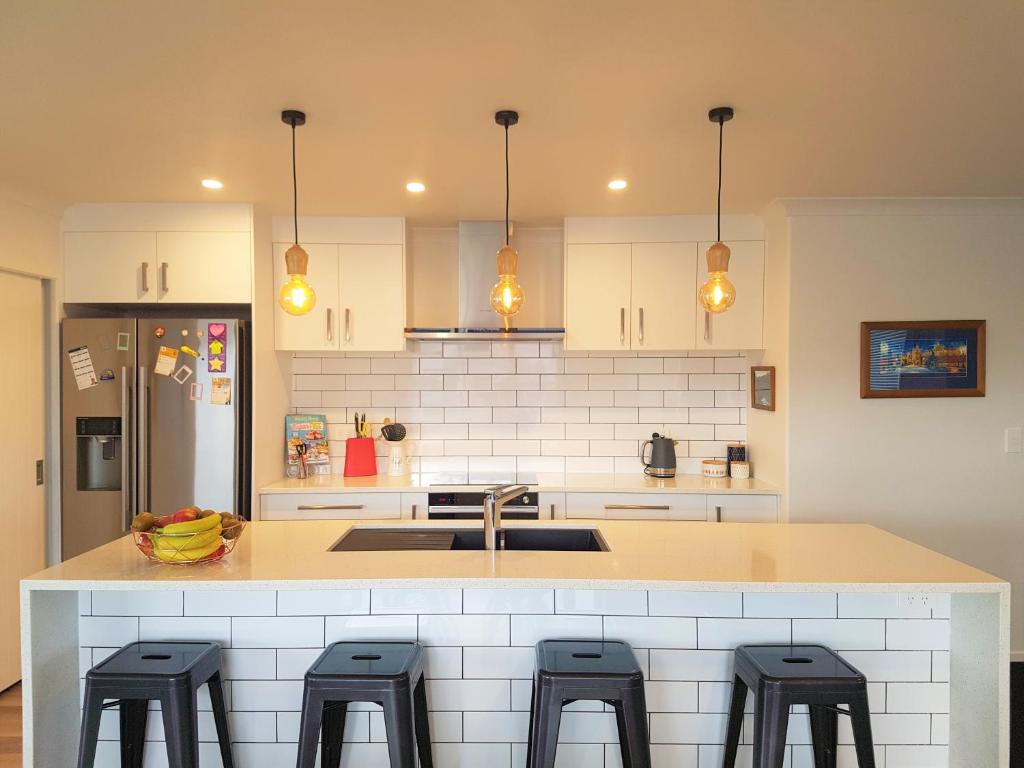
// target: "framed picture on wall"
[[932, 358], [762, 387]]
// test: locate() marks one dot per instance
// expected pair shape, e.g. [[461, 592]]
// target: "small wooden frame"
[[762, 387], [924, 358]]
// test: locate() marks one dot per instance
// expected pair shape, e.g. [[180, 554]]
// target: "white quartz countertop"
[[695, 556], [549, 483]]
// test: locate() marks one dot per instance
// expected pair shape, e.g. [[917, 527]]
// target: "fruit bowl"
[[198, 541]]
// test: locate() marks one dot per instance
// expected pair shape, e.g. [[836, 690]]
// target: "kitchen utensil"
[[739, 470], [393, 432], [714, 467], [301, 449], [663, 456]]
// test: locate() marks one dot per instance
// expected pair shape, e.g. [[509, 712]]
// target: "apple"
[[184, 515], [163, 520]]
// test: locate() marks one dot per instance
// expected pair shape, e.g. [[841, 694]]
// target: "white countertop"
[[544, 483], [694, 556]]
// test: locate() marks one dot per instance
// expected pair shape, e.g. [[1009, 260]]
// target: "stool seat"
[[587, 658], [811, 663], [157, 660], [377, 660]]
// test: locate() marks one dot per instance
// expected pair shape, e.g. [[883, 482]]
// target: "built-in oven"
[[469, 505]]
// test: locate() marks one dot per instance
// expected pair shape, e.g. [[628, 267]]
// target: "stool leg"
[[824, 736], [332, 733], [732, 734], [181, 727], [309, 727], [631, 717], [90, 726], [860, 719], [422, 724], [771, 721], [545, 717], [133, 716], [398, 722], [220, 719]]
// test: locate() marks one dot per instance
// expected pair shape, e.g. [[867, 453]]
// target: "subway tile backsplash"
[[523, 407]]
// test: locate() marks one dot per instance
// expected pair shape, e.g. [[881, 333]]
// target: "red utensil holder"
[[360, 457]]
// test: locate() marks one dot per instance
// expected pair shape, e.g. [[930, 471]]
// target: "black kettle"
[[663, 456]]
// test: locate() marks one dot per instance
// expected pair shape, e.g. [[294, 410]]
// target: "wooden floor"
[[10, 727]]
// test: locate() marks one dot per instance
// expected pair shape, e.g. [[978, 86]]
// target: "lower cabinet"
[[330, 506], [724, 508], [743, 508]]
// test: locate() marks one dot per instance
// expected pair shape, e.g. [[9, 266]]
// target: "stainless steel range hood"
[[479, 242]]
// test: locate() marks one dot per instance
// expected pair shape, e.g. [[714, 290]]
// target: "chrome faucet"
[[494, 499]]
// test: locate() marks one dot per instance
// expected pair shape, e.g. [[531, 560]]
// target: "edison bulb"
[[507, 296], [717, 294], [297, 297]]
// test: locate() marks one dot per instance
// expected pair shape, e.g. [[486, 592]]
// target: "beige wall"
[[933, 469], [29, 234]]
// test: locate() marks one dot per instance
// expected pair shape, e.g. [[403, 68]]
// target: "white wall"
[[29, 234], [932, 470]]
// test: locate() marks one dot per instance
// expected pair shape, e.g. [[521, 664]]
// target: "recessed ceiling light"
[[416, 186], [212, 184], [617, 184]]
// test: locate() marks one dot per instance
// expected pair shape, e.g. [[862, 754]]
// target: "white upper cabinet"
[[742, 325], [663, 282], [204, 267], [372, 309], [109, 267], [597, 296], [318, 330]]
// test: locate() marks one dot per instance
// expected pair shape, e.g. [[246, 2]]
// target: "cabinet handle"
[[348, 318], [655, 507], [308, 507], [330, 324], [145, 277], [707, 326], [163, 276], [718, 514], [641, 325], [622, 325]]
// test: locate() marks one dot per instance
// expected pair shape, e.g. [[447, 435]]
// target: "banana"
[[175, 555], [185, 543], [193, 526]]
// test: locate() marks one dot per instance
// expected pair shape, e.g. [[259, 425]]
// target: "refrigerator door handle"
[[126, 450], [143, 441]]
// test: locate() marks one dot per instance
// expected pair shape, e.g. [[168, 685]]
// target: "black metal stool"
[[170, 673], [573, 670], [783, 675], [389, 674]]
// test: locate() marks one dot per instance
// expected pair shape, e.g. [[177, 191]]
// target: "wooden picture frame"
[[762, 397], [922, 358]]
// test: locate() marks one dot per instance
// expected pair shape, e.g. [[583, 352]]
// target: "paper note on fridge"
[[81, 366], [220, 391], [165, 361]]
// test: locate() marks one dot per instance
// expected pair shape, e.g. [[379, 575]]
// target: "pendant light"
[[718, 293], [507, 295], [297, 296]]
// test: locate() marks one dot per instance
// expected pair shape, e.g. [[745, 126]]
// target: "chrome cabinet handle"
[[126, 449], [622, 325], [641, 325], [142, 417], [145, 277], [655, 507], [307, 507], [348, 323], [718, 514], [330, 324], [707, 326], [163, 276]]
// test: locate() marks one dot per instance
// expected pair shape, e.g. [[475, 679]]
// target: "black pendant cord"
[[721, 131], [506, 185], [295, 189]]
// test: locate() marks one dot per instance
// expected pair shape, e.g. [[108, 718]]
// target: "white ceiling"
[[105, 100]]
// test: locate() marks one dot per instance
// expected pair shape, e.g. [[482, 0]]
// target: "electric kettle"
[[663, 456]]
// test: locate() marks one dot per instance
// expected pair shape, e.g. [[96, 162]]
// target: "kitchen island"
[[930, 633]]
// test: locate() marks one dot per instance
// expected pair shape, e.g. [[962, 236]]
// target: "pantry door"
[[22, 444]]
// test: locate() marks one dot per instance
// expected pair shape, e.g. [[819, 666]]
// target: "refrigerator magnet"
[[123, 341], [195, 391], [107, 375], [159, 331], [81, 367], [188, 350], [182, 374], [220, 391], [165, 361]]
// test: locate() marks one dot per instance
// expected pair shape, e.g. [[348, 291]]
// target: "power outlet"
[[915, 601], [1014, 440]]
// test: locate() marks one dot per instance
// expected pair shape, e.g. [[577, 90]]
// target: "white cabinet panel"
[[317, 330], [636, 506], [330, 506], [204, 267], [372, 291], [551, 506], [743, 508], [597, 297], [110, 267], [742, 325], [664, 283]]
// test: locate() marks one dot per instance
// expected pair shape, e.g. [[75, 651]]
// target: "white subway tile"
[[685, 399], [230, 603], [715, 415], [293, 663], [369, 382], [515, 349], [326, 602], [208, 628], [306, 364], [890, 729], [503, 727], [492, 399], [588, 728], [639, 365], [689, 365], [444, 431], [492, 365], [879, 605], [439, 365], [589, 365], [516, 448], [728, 633], [370, 628], [892, 666], [529, 630], [516, 381], [509, 601], [540, 365], [635, 431], [385, 399], [601, 602], [420, 415], [662, 381], [536, 464], [698, 604], [601, 465], [917, 697], [540, 431], [614, 448], [469, 695], [714, 381], [540, 398], [564, 381], [613, 415], [266, 695], [467, 447], [466, 382], [346, 365], [503, 663], [249, 664], [651, 631], [357, 728], [277, 632], [472, 755], [492, 432], [916, 756], [641, 398], [517, 415], [917, 634], [731, 365], [688, 728], [442, 663], [491, 469], [394, 365], [565, 415], [670, 415], [348, 399], [147, 603], [590, 399], [940, 666], [84, 602], [841, 634], [108, 631], [671, 696], [784, 605], [467, 415], [940, 729], [589, 431], [464, 630], [613, 380], [301, 399], [465, 349], [444, 464], [564, 447], [408, 600]]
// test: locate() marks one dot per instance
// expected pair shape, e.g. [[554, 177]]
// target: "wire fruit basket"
[[192, 546]]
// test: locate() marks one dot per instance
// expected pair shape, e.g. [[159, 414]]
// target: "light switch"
[[1014, 440]]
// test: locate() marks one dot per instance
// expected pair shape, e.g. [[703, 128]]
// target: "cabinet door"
[[110, 267], [597, 297], [330, 506], [372, 309], [204, 267], [743, 508], [636, 506], [317, 330], [664, 281], [742, 325]]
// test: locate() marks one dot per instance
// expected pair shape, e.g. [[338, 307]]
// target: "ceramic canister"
[[735, 452], [713, 467], [739, 470]]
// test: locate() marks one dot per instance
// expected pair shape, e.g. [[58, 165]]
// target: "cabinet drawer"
[[636, 506], [330, 506], [743, 508]]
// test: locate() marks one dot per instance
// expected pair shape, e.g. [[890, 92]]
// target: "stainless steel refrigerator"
[[155, 416]]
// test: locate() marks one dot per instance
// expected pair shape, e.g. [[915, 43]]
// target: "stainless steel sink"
[[517, 538]]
